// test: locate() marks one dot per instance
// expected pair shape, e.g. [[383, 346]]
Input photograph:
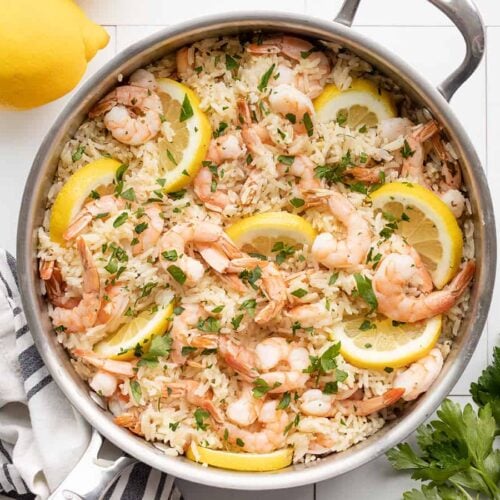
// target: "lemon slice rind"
[[147, 325], [449, 235], [76, 190], [250, 462], [365, 349], [362, 94], [198, 133], [262, 230]]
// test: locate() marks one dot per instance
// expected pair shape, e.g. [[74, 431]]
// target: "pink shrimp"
[[189, 389], [121, 107], [55, 286], [395, 272], [150, 236], [271, 435], [297, 49], [84, 315], [335, 253], [102, 207], [315, 403], [122, 368]]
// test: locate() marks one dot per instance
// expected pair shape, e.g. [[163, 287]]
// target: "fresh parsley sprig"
[[457, 455]]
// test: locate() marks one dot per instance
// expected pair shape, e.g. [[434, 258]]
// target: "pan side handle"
[[465, 16], [91, 477]]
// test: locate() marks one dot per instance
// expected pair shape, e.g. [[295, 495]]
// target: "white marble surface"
[[416, 31]]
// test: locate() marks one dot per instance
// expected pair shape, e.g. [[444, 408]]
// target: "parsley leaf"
[[135, 389], [456, 451], [77, 155], [199, 416], [487, 388], [265, 78], [365, 290], [186, 109], [261, 388]]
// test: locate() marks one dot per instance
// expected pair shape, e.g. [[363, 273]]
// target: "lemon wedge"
[[76, 190], [260, 233], [426, 223], [251, 462], [182, 154], [140, 331], [362, 104], [382, 343]]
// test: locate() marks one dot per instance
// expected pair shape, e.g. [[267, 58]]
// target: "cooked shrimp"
[[315, 403], [297, 49], [451, 179], [121, 368], [419, 376], [254, 135], [366, 407], [190, 389], [215, 246], [84, 315], [336, 253], [143, 78], [245, 410], [150, 236], [185, 61], [395, 272], [176, 241], [285, 99], [211, 194], [121, 107], [238, 357], [303, 168], [130, 420], [413, 164], [290, 358], [307, 315], [273, 286], [225, 148], [182, 324], [55, 286], [114, 304], [102, 207], [270, 437], [104, 383], [391, 129], [373, 174]]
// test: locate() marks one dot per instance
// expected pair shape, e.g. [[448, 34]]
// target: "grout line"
[[314, 491]]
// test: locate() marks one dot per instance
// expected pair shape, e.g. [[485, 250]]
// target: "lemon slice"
[[362, 104], [382, 343], [76, 190], [181, 156], [140, 331], [427, 224], [259, 233], [251, 462]]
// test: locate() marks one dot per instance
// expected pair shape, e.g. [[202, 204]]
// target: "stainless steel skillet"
[[89, 479]]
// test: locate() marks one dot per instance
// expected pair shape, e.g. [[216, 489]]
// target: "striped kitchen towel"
[[41, 435]]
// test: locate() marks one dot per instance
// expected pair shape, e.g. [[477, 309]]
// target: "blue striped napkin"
[[42, 436]]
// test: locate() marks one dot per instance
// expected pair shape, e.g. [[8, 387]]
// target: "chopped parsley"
[[77, 155], [177, 273], [265, 78], [365, 290], [186, 109]]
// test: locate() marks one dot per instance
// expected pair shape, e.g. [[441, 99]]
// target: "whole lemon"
[[44, 49]]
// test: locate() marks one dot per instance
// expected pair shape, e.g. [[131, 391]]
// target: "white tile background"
[[416, 31]]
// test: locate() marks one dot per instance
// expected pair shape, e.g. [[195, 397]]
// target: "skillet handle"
[[465, 16], [91, 477]]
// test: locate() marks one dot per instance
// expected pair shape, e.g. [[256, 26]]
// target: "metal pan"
[[88, 479]]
